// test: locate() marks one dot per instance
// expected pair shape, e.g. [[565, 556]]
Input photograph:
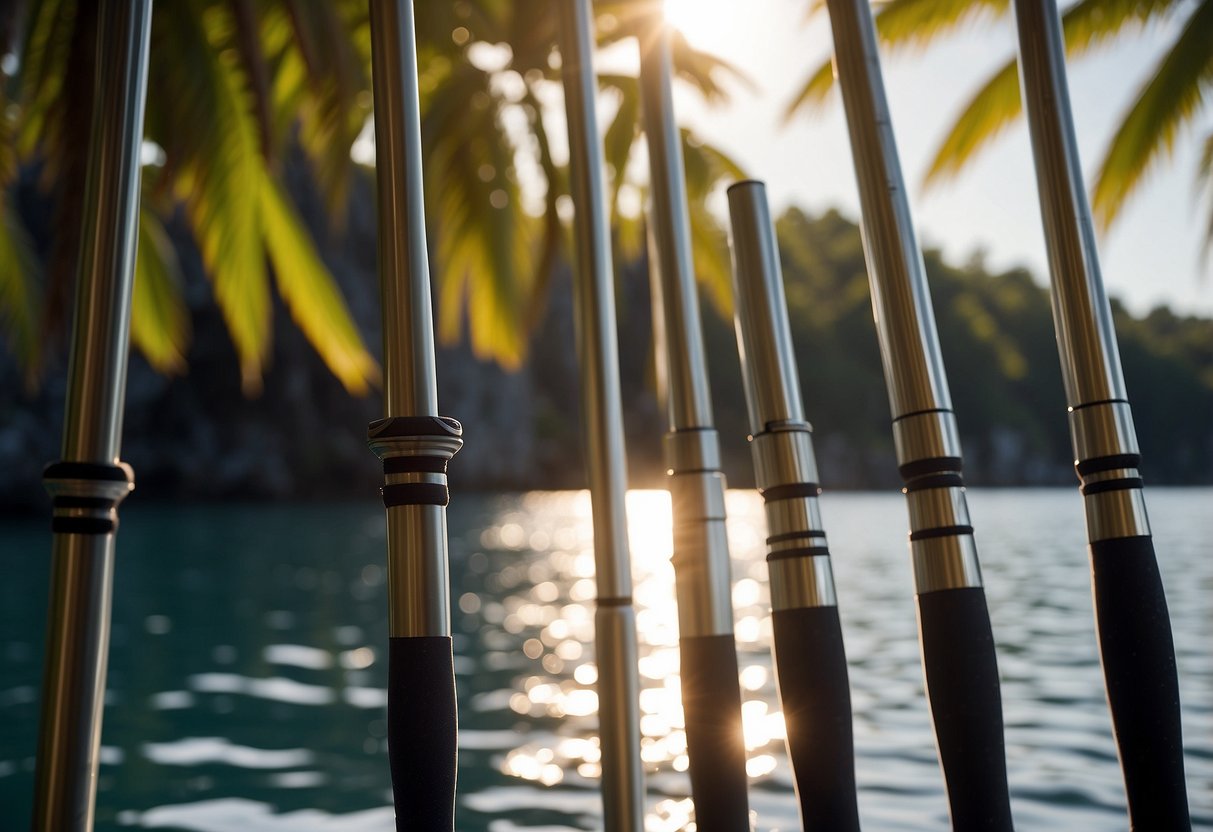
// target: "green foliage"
[[236, 85], [1167, 104]]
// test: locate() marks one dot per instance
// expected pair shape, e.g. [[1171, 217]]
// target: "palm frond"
[[899, 23], [160, 324], [310, 293], [20, 294], [706, 167], [211, 140], [1086, 25], [987, 114], [915, 23], [483, 235], [1169, 100]]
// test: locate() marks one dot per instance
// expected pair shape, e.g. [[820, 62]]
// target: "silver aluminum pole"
[[415, 444], [614, 619], [711, 695], [90, 481], [810, 661], [954, 625], [1130, 608]]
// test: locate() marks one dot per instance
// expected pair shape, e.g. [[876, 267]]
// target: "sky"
[[1152, 254]]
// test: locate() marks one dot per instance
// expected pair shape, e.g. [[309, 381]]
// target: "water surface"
[[247, 673]]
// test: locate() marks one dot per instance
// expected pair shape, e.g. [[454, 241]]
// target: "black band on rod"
[[415, 494], [799, 552], [791, 491], [414, 465], [1113, 462], [88, 471], [808, 533], [940, 531], [1103, 486], [932, 465], [82, 525], [935, 481]]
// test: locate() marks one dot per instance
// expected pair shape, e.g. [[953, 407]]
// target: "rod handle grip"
[[1138, 656], [711, 703], [422, 734], [815, 694], [966, 706]]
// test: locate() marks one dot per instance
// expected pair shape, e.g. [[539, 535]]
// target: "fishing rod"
[[415, 444], [954, 624], [810, 661], [602, 411], [711, 694], [1131, 615], [89, 482]]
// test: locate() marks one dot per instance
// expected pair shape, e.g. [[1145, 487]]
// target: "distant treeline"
[[198, 437]]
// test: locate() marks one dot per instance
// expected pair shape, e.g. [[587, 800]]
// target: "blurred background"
[[256, 354]]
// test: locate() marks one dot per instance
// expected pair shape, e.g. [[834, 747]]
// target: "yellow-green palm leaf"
[[1168, 101]]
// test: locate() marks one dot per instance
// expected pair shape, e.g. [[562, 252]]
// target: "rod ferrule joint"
[[85, 495], [415, 451]]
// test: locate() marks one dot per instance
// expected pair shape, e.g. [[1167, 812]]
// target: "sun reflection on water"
[[542, 598]]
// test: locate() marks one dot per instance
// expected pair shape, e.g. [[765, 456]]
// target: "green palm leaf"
[[311, 295], [1204, 182], [1169, 100], [1086, 25], [483, 237], [20, 297], [160, 324]]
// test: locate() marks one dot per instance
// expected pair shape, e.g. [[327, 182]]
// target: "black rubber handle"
[[421, 732], [962, 688], [1143, 690], [711, 703], [815, 694]]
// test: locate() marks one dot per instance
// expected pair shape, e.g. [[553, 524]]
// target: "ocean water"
[[247, 670]]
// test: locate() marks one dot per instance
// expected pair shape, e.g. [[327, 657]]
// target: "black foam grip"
[[421, 732], [711, 701], [963, 691], [815, 694], [1143, 691]]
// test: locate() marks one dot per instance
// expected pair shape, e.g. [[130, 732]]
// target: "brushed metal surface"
[[942, 563], [802, 582]]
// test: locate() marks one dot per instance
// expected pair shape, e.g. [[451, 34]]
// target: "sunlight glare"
[[707, 24]]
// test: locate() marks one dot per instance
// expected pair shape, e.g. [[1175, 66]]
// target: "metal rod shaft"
[[711, 693], [957, 643], [89, 482], [615, 622], [415, 445], [810, 661], [1135, 641]]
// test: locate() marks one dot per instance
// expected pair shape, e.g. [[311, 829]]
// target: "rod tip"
[[745, 183]]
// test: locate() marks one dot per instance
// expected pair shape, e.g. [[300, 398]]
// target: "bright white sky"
[[1152, 254]]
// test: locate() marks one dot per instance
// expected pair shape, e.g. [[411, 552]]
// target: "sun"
[[705, 23]]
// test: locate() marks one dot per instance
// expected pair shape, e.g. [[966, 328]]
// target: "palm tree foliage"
[[236, 86], [1167, 103]]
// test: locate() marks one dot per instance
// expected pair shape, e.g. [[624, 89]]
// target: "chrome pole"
[[415, 444], [89, 482], [810, 661], [614, 619], [711, 694], [954, 625], [1130, 607]]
